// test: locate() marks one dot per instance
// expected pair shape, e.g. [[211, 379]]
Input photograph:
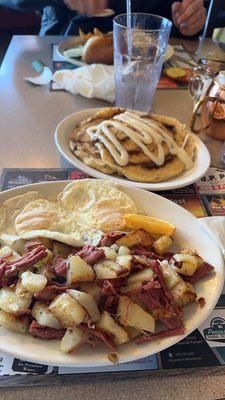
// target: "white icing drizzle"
[[185, 140], [141, 132]]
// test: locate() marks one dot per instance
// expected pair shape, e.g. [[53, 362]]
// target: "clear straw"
[[129, 26]]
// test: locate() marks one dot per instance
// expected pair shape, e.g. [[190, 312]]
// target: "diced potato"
[[142, 276], [7, 250], [141, 260], [71, 340], [43, 316], [194, 254], [67, 310], [21, 291], [108, 325], [129, 288], [33, 282], [11, 322], [115, 247], [110, 253], [140, 303], [161, 245], [171, 277], [125, 261], [108, 269], [132, 332], [123, 251], [131, 314], [137, 237], [79, 271], [189, 264], [183, 293], [10, 302], [88, 302], [93, 289]]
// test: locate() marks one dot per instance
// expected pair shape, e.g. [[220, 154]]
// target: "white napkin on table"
[[215, 226], [92, 81]]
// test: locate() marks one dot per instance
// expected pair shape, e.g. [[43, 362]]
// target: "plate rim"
[[161, 186], [158, 347]]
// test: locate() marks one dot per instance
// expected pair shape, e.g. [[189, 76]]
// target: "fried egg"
[[81, 213], [97, 203], [12, 207], [44, 218]]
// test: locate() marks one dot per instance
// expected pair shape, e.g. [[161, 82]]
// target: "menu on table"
[[202, 348]]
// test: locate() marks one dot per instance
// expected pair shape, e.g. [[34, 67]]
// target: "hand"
[[87, 7], [189, 16]]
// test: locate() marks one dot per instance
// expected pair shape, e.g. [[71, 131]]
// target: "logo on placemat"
[[216, 332]]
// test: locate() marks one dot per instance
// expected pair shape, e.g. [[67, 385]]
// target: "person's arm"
[[28, 5], [188, 16], [87, 7]]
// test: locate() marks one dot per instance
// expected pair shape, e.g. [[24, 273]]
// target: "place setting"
[[112, 226], [101, 160]]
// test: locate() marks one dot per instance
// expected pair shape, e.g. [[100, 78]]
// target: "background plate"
[[189, 233], [76, 42], [66, 126]]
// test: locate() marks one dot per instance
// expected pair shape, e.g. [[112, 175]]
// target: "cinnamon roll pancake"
[[138, 146]]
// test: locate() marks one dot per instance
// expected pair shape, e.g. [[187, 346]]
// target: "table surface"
[[28, 117]]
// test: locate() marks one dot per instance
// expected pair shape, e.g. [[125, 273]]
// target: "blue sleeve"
[[28, 5]]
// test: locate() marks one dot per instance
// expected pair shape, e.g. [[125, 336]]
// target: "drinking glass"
[[138, 58]]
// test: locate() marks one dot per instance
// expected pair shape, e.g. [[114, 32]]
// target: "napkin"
[[45, 74], [215, 226], [92, 81]]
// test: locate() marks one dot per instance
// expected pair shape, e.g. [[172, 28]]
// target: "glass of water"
[[140, 43]]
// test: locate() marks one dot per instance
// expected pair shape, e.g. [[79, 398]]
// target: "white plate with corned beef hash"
[[94, 273]]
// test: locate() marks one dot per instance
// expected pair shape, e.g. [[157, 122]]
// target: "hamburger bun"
[[99, 49]]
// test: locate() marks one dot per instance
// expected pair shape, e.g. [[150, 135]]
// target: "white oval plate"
[[76, 41], [189, 234], [67, 125]]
